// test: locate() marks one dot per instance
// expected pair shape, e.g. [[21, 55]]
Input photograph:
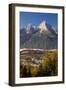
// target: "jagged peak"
[[46, 28], [29, 28], [43, 26]]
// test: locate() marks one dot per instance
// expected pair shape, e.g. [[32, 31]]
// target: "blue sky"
[[36, 18]]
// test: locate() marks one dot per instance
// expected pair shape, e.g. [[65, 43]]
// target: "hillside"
[[43, 36], [38, 60]]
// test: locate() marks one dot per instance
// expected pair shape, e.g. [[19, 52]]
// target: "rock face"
[[42, 37]]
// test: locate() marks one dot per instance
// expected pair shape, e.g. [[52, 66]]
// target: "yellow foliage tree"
[[49, 63]]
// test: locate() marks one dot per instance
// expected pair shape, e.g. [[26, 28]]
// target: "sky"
[[36, 18]]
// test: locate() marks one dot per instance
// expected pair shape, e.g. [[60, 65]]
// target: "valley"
[[38, 50], [34, 61]]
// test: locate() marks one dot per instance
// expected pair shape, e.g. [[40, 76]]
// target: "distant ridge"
[[44, 36]]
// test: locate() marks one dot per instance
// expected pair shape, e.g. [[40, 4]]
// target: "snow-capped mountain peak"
[[43, 27], [35, 37], [29, 28], [46, 28]]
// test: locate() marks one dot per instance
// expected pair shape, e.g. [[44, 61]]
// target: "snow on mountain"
[[45, 28], [29, 28], [36, 37]]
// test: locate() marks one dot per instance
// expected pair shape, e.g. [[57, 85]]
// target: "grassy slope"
[[47, 67]]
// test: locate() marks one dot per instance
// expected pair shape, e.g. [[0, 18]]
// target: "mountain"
[[29, 29], [46, 29], [26, 33], [43, 36]]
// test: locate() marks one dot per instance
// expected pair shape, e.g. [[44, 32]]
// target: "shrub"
[[48, 66], [34, 71], [49, 63]]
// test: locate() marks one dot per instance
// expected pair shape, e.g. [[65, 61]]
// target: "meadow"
[[36, 63]]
